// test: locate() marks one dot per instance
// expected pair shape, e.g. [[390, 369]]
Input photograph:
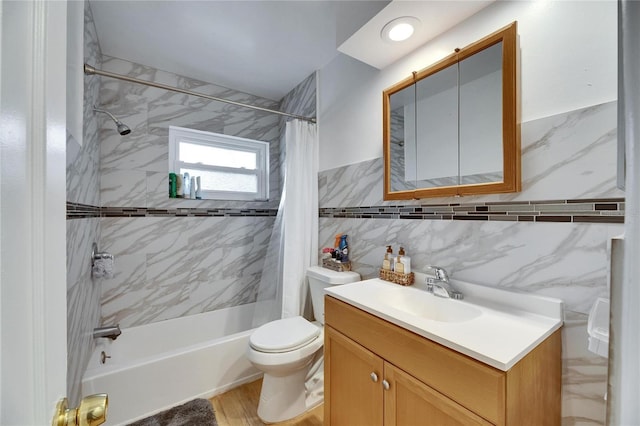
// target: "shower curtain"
[[624, 381], [293, 245]]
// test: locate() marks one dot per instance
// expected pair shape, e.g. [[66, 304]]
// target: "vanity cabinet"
[[377, 373]]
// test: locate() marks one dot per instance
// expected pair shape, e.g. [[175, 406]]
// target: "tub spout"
[[112, 332]]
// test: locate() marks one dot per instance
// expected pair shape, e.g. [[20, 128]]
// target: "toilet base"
[[283, 397]]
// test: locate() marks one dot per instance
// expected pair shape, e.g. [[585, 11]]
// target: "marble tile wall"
[[83, 186], [168, 267], [568, 156], [301, 101]]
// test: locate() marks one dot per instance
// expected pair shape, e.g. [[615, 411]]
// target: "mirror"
[[452, 128]]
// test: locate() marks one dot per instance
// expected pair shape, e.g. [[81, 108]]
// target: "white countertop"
[[496, 327]]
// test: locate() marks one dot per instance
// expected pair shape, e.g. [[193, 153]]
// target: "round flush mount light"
[[400, 29]]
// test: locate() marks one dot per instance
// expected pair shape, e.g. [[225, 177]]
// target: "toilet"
[[284, 350]]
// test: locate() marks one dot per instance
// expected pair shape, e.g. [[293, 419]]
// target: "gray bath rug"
[[197, 412]]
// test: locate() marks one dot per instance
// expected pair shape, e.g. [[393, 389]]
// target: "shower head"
[[123, 129]]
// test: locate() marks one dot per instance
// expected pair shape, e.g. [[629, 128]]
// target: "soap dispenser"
[[403, 263], [388, 256]]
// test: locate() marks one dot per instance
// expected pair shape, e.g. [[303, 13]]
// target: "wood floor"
[[239, 406]]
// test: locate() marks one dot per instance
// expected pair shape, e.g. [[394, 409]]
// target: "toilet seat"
[[284, 335]]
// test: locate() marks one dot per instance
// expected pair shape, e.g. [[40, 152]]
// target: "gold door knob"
[[91, 412]]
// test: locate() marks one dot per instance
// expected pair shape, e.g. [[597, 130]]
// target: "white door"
[[33, 314]]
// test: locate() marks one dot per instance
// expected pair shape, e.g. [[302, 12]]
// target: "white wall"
[[577, 37]]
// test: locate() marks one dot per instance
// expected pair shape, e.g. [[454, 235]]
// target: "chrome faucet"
[[111, 332], [438, 283]]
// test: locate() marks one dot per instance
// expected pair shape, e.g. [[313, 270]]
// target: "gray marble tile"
[[181, 266], [301, 100], [584, 376], [138, 152], [354, 185], [123, 188]]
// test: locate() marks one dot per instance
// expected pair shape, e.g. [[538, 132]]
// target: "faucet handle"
[[439, 274]]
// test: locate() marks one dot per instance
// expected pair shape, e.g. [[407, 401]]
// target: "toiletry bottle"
[[172, 185], [198, 189], [406, 263], [400, 262], [386, 263], [186, 190], [179, 185], [192, 188], [336, 246], [344, 249]]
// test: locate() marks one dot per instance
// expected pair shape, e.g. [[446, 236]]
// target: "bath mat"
[[197, 412]]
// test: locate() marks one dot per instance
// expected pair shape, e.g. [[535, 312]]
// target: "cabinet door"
[[352, 378], [408, 401]]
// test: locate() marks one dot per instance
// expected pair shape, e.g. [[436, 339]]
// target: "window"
[[230, 168]]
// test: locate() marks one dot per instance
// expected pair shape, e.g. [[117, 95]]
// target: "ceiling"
[[260, 47], [435, 18]]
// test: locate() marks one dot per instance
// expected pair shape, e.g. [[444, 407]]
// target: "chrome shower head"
[[123, 129]]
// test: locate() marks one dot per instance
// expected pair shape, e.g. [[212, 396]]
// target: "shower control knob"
[[374, 377]]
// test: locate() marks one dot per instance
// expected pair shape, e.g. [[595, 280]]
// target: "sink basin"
[[421, 304], [438, 309]]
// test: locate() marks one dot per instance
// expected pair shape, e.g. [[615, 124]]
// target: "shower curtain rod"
[[89, 70]]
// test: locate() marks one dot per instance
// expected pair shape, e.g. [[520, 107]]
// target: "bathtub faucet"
[[112, 332]]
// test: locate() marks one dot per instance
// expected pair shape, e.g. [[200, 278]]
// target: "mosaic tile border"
[[604, 210], [81, 211]]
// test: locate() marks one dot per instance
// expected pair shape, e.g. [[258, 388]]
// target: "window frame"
[[218, 140]]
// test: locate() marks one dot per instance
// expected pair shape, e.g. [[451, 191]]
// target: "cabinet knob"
[[374, 377], [385, 385]]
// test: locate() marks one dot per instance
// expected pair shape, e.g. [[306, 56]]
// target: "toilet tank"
[[319, 278]]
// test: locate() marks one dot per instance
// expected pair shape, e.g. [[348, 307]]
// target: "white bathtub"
[[157, 366]]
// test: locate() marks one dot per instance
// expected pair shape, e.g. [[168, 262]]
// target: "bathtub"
[[157, 366]]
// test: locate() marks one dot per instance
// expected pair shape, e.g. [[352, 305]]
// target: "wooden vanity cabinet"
[[377, 373]]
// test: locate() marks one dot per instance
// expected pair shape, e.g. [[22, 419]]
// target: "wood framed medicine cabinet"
[[453, 128]]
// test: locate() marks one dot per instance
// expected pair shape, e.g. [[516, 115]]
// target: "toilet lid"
[[283, 335]]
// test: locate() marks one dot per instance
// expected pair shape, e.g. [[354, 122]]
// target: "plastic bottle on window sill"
[[172, 185], [198, 188], [192, 188], [179, 185], [186, 186]]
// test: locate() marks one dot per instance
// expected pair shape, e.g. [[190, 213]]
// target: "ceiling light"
[[400, 28]]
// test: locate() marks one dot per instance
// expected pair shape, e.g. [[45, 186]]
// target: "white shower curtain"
[[300, 217], [293, 245]]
